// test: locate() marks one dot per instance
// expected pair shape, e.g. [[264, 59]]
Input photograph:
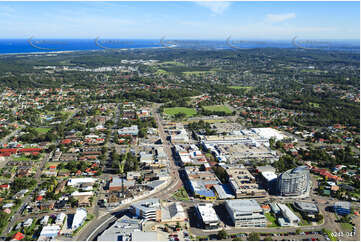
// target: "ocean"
[[21, 46]]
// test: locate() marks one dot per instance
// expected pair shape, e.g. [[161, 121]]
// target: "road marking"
[[99, 227]]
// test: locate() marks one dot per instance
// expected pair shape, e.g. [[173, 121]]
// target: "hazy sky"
[[186, 20]]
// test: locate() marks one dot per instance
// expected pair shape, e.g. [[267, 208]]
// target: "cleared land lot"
[[240, 87], [218, 108], [187, 111], [42, 130], [245, 88]]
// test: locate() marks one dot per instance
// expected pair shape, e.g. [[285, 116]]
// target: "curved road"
[[99, 224]]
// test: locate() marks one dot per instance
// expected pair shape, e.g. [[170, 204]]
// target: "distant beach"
[[61, 46]]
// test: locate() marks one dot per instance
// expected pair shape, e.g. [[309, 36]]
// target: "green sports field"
[[173, 111], [218, 108]]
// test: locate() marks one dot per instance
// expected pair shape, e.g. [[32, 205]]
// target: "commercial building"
[[79, 218], [77, 182], [174, 212], [268, 176], [179, 136], [232, 150], [149, 209], [200, 182], [245, 213], [199, 189], [243, 183], [294, 182], [306, 207], [190, 154], [275, 209], [223, 192], [268, 133], [49, 232], [123, 230], [288, 217], [44, 220], [207, 215], [342, 208], [60, 219], [116, 184], [132, 130]]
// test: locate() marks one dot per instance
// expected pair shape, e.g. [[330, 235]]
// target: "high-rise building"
[[294, 182]]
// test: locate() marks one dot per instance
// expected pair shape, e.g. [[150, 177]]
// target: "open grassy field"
[[42, 130], [240, 87], [218, 108], [173, 111], [346, 227]]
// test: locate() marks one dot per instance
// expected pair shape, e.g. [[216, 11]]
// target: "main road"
[[99, 224]]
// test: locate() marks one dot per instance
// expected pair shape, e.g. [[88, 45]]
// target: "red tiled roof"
[[30, 150], [18, 236], [8, 150], [66, 141]]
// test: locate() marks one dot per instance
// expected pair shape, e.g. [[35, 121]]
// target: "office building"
[[245, 213], [294, 182], [288, 217], [342, 208], [149, 209], [306, 207], [207, 215], [79, 218], [243, 183]]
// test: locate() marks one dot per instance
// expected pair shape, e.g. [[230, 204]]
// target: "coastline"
[[72, 51]]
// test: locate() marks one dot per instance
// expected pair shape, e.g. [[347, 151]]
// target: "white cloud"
[[280, 17], [215, 7]]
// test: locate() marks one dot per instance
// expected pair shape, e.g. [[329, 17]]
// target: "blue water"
[[9, 46]]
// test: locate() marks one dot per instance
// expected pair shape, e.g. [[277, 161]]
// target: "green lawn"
[[218, 108], [173, 111], [272, 219], [346, 227], [181, 194], [329, 233], [42, 130], [21, 158]]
